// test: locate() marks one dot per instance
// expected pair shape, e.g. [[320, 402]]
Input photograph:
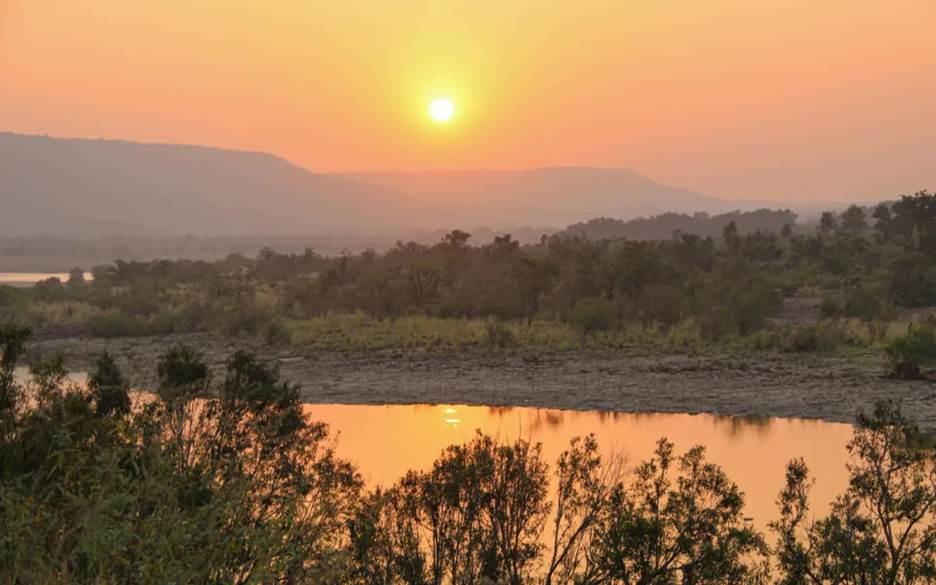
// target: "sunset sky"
[[783, 99]]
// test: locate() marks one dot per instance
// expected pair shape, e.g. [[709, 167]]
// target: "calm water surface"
[[386, 441]]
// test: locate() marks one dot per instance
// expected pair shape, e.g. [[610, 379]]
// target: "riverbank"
[[832, 388]]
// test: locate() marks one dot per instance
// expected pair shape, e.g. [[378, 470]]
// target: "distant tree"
[[76, 276], [915, 222], [50, 290], [501, 248], [883, 220], [456, 239], [731, 238], [854, 220], [827, 222]]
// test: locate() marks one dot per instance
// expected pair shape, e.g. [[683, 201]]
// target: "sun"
[[442, 109]]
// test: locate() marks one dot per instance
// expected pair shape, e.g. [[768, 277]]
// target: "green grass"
[[359, 332]]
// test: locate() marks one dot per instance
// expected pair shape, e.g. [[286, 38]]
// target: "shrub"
[[829, 307], [803, 339], [863, 302], [497, 334], [686, 336], [916, 349], [592, 314], [245, 320], [113, 324]]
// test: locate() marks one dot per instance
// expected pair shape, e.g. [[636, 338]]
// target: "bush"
[[497, 334], [916, 349], [863, 302], [113, 324], [249, 320], [830, 307], [592, 314], [686, 336], [803, 339]]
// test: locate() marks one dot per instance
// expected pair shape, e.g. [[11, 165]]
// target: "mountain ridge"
[[94, 187]]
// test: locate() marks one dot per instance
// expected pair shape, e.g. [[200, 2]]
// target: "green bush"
[[913, 351], [803, 339], [114, 324], [592, 314], [497, 334]]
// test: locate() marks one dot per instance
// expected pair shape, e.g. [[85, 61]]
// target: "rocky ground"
[[829, 388]]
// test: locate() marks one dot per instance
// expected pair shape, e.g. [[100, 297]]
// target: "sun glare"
[[442, 109]]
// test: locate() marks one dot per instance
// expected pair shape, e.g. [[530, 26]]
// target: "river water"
[[386, 441]]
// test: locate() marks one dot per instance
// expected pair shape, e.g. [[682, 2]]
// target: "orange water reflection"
[[386, 441]]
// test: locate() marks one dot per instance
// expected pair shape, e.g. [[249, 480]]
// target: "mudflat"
[[833, 388]]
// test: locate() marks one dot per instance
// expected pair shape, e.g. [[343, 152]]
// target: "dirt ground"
[[829, 388]]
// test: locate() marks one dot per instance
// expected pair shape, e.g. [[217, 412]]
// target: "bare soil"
[[771, 385]]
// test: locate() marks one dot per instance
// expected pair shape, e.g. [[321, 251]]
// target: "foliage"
[[221, 478], [914, 350], [881, 530], [726, 275], [96, 487]]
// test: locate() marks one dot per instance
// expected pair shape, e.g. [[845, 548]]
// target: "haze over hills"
[[76, 187], [555, 196], [99, 187]]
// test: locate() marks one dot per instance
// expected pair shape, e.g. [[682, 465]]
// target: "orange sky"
[[786, 99]]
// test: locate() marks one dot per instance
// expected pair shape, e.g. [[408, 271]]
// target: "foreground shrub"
[[881, 530], [238, 488], [226, 481]]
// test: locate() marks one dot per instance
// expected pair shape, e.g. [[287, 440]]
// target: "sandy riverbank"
[[829, 388]]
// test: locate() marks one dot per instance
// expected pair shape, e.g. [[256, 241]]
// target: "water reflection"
[[387, 441]]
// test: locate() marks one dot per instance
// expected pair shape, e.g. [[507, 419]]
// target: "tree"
[[688, 529], [915, 218], [76, 276], [584, 483], [854, 220], [827, 222], [456, 239], [94, 489], [730, 237], [881, 530]]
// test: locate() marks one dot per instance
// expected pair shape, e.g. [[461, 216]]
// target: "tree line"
[[226, 480], [863, 266]]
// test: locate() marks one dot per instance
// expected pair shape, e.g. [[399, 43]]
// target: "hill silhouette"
[[93, 188], [98, 187]]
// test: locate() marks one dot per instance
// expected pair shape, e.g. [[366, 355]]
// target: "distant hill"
[[661, 227], [92, 188], [552, 196], [98, 187]]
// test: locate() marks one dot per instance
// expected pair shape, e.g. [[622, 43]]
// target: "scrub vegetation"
[[863, 281], [227, 480]]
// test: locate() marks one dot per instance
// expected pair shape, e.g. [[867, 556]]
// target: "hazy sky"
[[786, 99]]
